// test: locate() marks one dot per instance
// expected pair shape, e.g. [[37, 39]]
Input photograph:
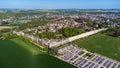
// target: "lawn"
[[102, 44], [15, 53]]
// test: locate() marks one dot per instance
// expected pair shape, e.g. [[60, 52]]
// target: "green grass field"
[[47, 11], [15, 53], [102, 44]]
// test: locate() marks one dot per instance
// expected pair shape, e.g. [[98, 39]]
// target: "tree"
[[115, 32], [69, 31]]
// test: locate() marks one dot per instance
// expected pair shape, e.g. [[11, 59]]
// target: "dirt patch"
[[5, 27]]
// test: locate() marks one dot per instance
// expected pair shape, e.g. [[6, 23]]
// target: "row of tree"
[[115, 32]]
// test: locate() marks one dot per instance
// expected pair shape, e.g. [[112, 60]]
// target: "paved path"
[[70, 39], [6, 27], [56, 44]]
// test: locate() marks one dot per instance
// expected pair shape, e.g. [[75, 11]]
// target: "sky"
[[60, 4]]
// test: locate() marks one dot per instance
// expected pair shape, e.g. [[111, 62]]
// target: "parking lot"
[[82, 58]]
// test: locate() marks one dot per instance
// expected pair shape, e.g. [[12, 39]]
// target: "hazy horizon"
[[61, 4]]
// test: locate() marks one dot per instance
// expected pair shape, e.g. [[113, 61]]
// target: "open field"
[[47, 11], [15, 53], [102, 44]]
